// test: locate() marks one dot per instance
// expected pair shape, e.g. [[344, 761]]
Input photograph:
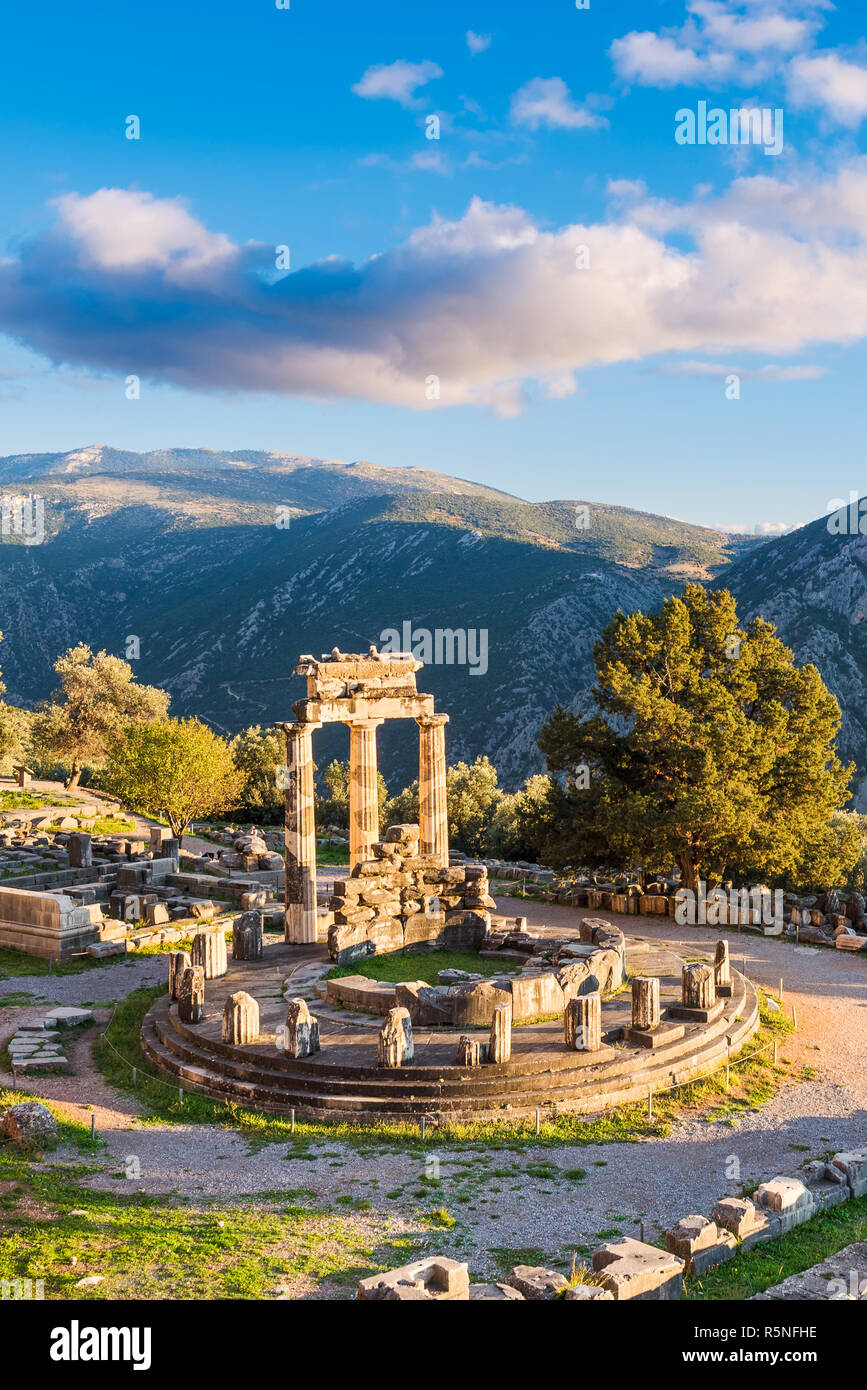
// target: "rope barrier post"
[[650, 1104], [794, 1017], [775, 1052], [291, 1121], [538, 1120], [92, 1128], [180, 1095], [781, 989], [134, 1076], [14, 1078]]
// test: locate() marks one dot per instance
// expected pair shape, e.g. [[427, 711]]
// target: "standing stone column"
[[582, 1023], [395, 1039], [363, 790], [698, 987], [240, 1019], [179, 961], [191, 995], [645, 1002], [302, 1030], [432, 809], [300, 835], [209, 951], [500, 1046], [722, 966], [247, 941]]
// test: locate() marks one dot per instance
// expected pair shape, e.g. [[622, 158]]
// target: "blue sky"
[[455, 258]]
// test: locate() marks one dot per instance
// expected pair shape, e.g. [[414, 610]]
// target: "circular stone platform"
[[344, 1082]]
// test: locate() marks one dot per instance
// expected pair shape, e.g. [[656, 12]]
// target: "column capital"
[[363, 723], [427, 721], [298, 726]]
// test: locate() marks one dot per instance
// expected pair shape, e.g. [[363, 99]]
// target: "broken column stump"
[[647, 1029], [500, 1045], [240, 1019], [582, 1023], [209, 951], [395, 1039], [191, 995], [302, 1030], [179, 961], [471, 1052], [247, 942], [723, 970], [698, 994]]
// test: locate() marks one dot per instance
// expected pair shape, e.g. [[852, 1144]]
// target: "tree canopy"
[[178, 768], [711, 749], [98, 695]]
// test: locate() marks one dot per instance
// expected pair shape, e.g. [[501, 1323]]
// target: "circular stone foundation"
[[343, 1081]]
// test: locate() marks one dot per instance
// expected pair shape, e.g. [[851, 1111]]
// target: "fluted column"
[[432, 808], [300, 835], [363, 790]]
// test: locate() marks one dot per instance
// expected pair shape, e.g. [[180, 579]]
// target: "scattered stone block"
[[494, 1293], [29, 1123], [535, 1282], [157, 914], [440, 1278], [191, 995], [247, 938], [853, 1165], [630, 1269], [788, 1199], [209, 951], [587, 1293], [179, 961], [701, 1243], [582, 1023], [746, 1222]]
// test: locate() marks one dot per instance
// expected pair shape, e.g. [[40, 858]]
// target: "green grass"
[[753, 1082], [419, 965], [170, 1248], [766, 1265], [34, 801], [14, 963], [336, 855]]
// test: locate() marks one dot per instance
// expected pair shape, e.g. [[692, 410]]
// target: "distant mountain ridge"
[[227, 566]]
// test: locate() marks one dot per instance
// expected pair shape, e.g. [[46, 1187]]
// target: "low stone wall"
[[46, 924], [625, 1269], [401, 900]]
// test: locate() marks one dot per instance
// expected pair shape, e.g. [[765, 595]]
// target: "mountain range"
[[226, 566]]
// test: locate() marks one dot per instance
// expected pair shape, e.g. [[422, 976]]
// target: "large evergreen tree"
[[711, 749]]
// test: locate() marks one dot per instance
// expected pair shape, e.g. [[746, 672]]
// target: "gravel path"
[[497, 1196]]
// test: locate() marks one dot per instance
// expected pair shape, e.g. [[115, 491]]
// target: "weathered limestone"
[[500, 1045], [853, 1165], [45, 924], [179, 961], [247, 939], [80, 852], [191, 995], [745, 1221], [698, 987], [395, 1039], [240, 1018], [438, 1278], [645, 1002], [788, 1199], [300, 835], [535, 1282], [209, 951], [582, 1023], [631, 1269], [723, 969], [29, 1123], [471, 1052], [302, 1030], [363, 790], [701, 1243], [433, 817]]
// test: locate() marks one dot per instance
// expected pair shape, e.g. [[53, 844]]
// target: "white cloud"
[[477, 43], [656, 61], [397, 81], [828, 80], [546, 101], [771, 371], [490, 302], [116, 229]]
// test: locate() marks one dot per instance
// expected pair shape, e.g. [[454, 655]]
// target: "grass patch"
[[767, 1265], [14, 963], [34, 801], [416, 965]]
